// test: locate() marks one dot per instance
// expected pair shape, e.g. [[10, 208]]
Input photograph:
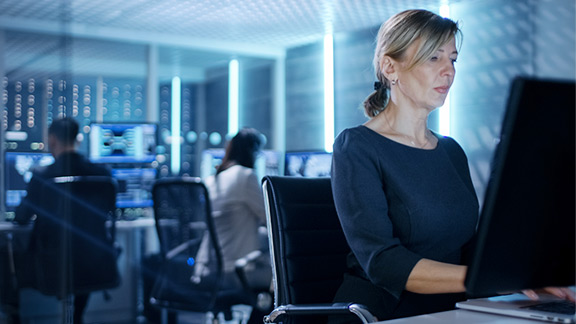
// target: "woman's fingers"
[[560, 292]]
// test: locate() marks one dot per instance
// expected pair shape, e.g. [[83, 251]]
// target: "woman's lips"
[[442, 89]]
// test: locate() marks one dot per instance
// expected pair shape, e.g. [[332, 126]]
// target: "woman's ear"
[[388, 68]]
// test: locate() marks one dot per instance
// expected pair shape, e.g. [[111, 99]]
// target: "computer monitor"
[[268, 162], [122, 143], [18, 167], [308, 164], [134, 187], [211, 159], [526, 232]]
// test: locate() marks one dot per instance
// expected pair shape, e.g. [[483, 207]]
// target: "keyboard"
[[558, 307]]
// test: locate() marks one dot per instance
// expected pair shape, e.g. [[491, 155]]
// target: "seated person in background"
[[62, 141], [237, 200]]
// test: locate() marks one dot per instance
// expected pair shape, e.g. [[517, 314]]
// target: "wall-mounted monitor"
[[18, 168], [308, 164], [122, 143]]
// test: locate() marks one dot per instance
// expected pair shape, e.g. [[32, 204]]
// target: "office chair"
[[73, 239], [255, 274], [308, 250], [191, 276]]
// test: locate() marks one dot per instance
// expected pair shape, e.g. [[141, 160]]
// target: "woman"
[[236, 198], [238, 212], [403, 193]]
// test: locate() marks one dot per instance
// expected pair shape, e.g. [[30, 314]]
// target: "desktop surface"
[[460, 316]]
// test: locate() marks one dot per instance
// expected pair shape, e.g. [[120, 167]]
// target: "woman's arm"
[[253, 197], [432, 277]]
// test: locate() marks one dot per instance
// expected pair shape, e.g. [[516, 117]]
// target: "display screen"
[[18, 170], [123, 143], [134, 187], [211, 159], [268, 162], [308, 164]]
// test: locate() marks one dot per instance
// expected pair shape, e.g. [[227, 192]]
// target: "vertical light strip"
[[176, 113], [152, 111], [328, 92], [99, 99], [444, 118], [445, 10], [233, 97], [279, 107]]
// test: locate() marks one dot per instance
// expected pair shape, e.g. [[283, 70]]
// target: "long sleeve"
[[254, 198], [363, 209]]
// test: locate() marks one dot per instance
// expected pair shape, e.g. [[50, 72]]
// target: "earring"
[[393, 82]]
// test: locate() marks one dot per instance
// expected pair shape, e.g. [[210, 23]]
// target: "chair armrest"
[[248, 258], [359, 310], [242, 264]]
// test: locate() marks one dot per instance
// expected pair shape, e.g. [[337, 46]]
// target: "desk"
[[461, 316], [135, 237], [140, 239]]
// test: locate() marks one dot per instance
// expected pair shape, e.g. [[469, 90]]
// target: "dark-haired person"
[[237, 202], [62, 143], [403, 193]]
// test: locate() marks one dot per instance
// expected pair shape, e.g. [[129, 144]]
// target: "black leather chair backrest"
[[183, 221], [307, 243], [73, 236]]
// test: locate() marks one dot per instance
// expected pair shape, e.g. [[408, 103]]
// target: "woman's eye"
[[434, 58]]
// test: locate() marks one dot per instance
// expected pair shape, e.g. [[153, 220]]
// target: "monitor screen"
[[123, 143], [134, 187], [526, 231], [18, 167], [308, 164], [211, 159], [268, 162]]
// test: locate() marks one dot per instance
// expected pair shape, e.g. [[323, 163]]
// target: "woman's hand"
[[560, 292]]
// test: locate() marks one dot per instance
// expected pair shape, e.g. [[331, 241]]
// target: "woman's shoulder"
[[452, 148], [448, 143], [358, 134], [356, 130], [239, 173]]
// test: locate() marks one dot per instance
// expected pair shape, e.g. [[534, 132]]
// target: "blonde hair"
[[422, 27]]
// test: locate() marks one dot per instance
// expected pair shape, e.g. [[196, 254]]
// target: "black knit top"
[[398, 204]]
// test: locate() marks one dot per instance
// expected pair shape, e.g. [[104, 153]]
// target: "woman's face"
[[426, 85]]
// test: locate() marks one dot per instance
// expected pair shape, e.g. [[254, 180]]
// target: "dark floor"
[[240, 315]]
